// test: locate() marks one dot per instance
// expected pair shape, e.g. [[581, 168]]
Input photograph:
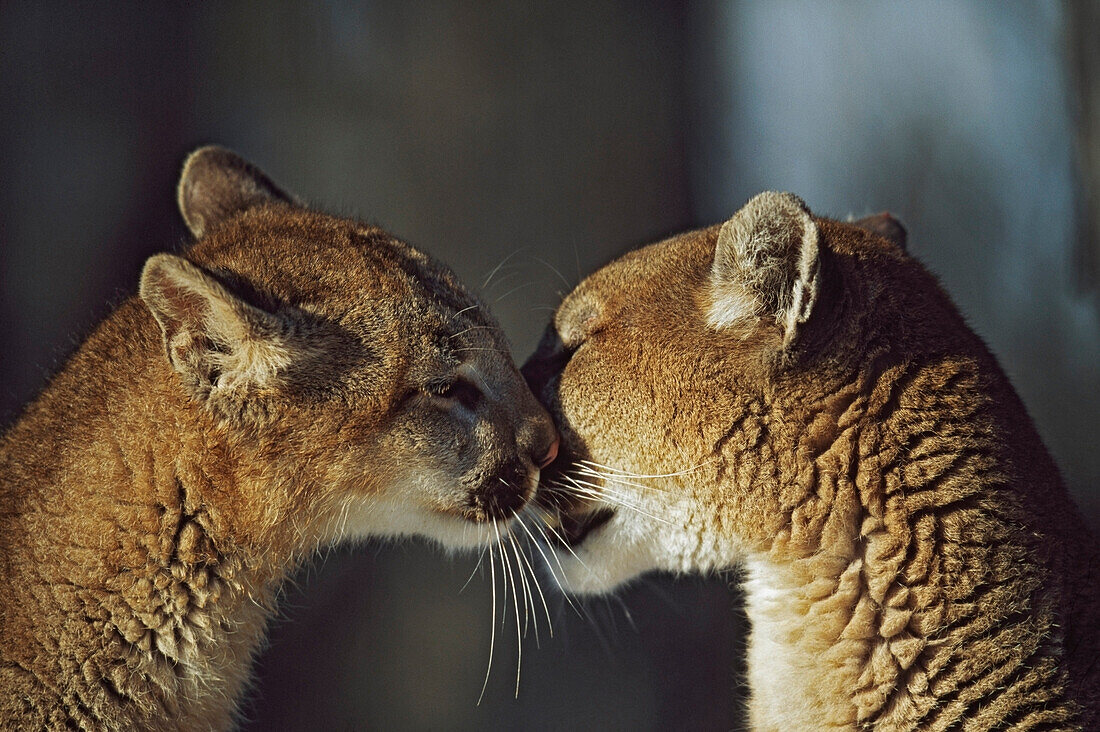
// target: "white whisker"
[[497, 268], [492, 625], [465, 309], [510, 573], [472, 327], [535, 580], [480, 558], [555, 270], [523, 586], [592, 490], [566, 545], [615, 479], [628, 474], [580, 610], [502, 279], [542, 532], [517, 288]]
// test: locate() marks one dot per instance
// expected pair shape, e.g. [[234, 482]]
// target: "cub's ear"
[[215, 184], [884, 225], [766, 264], [222, 347]]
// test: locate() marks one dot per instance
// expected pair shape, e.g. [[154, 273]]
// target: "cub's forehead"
[[296, 256]]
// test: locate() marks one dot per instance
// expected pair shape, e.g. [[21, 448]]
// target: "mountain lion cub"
[[292, 380], [797, 397]]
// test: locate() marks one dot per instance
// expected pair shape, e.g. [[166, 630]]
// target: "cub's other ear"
[[884, 225], [223, 348], [215, 184], [766, 264]]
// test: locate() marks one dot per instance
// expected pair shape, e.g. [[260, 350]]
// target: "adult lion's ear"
[[223, 349], [885, 225], [767, 264], [215, 184]]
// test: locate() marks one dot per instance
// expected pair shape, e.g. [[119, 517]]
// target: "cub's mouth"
[[574, 528]]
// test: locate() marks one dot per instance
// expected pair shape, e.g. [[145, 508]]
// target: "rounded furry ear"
[[215, 184], [222, 347], [885, 225], [766, 264]]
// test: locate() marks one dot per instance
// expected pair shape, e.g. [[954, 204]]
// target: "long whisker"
[[534, 576], [581, 610], [472, 327], [594, 491], [497, 268], [588, 472], [530, 618], [492, 625], [465, 309], [510, 573], [542, 531], [584, 470], [628, 474], [555, 270], [517, 288], [501, 280], [480, 558], [523, 586], [564, 543]]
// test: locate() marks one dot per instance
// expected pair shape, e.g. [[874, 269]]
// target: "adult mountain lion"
[[292, 380], [797, 397]]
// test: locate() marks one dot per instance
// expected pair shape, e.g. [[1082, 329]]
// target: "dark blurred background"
[[555, 136]]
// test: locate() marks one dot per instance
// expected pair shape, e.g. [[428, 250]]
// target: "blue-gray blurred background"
[[554, 136]]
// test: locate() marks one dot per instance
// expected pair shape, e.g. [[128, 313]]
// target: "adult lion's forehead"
[[667, 272]]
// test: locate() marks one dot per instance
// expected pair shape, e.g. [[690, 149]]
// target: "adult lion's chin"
[[596, 552], [573, 529]]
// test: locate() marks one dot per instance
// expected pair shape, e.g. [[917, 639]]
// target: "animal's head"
[[698, 381], [372, 392]]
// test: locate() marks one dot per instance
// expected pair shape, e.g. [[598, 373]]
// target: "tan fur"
[[797, 397], [293, 380]]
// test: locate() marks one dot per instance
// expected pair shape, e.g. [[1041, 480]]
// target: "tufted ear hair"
[[767, 265], [222, 348], [215, 184]]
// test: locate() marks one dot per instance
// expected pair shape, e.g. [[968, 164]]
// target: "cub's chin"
[[451, 519], [598, 549]]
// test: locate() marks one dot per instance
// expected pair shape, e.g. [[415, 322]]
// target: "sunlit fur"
[[280, 386], [911, 558]]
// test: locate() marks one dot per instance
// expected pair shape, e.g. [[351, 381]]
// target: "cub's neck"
[[124, 505]]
